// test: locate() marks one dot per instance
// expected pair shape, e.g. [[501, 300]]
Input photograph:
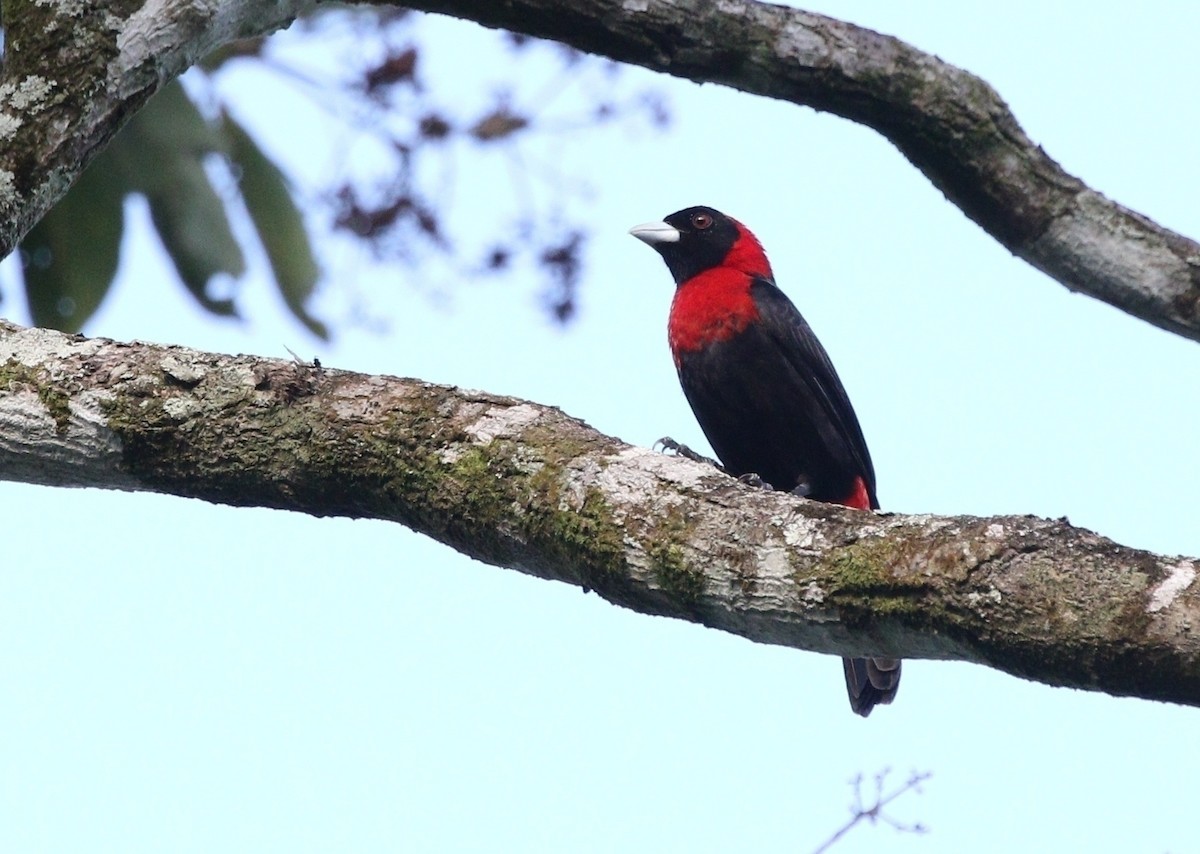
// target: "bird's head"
[[700, 238]]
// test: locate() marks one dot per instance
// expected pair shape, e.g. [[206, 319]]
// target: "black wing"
[[771, 403], [783, 321]]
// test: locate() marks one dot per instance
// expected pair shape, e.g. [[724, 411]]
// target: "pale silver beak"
[[655, 232]]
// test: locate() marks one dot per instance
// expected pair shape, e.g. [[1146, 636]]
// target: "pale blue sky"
[[184, 677]]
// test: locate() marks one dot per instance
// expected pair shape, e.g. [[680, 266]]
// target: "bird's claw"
[[753, 480], [670, 446], [803, 487]]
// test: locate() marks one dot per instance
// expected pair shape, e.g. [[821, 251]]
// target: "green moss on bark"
[[864, 583], [415, 466], [15, 376], [680, 580], [677, 576], [586, 537]]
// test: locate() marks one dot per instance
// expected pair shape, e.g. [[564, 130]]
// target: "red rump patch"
[[858, 497], [716, 305]]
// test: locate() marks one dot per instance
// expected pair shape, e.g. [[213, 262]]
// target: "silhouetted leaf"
[[564, 263], [434, 127], [278, 222], [498, 124], [394, 69]]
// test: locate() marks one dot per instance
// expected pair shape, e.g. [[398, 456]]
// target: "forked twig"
[[875, 811]]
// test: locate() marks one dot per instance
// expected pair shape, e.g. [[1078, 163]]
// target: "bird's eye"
[[701, 221]]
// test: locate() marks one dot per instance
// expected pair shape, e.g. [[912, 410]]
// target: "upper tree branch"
[[74, 71], [524, 486], [950, 124]]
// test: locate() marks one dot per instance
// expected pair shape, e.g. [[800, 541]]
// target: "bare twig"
[[875, 810]]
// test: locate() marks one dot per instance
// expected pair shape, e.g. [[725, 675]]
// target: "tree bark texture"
[[74, 71], [524, 486]]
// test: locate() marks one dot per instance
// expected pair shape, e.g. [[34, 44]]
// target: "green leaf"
[[163, 147], [194, 230], [169, 128], [69, 259], [278, 221]]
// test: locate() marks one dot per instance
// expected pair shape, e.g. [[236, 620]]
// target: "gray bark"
[[525, 486]]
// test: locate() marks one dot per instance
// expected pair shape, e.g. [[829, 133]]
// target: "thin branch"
[[875, 812], [525, 486]]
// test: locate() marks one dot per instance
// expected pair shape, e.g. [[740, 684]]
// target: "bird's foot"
[[753, 480], [670, 446]]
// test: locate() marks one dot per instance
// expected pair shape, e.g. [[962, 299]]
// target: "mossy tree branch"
[[74, 71], [524, 486]]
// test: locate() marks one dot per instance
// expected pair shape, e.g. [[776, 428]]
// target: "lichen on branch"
[[524, 486]]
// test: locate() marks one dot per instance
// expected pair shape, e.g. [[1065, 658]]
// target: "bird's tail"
[[870, 681]]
